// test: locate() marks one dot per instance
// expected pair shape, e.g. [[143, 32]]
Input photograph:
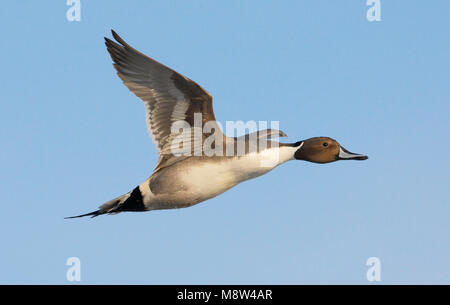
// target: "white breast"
[[256, 164]]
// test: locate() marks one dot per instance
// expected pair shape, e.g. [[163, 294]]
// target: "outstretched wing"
[[168, 96]]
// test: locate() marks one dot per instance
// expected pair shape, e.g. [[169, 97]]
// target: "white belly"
[[195, 180]]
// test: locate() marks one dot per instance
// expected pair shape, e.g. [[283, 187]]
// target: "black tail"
[[130, 202], [92, 214]]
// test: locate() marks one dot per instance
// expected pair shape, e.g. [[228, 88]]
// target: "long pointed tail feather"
[[129, 202], [110, 207], [92, 214]]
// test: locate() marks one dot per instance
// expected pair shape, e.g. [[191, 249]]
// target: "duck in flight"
[[181, 180]]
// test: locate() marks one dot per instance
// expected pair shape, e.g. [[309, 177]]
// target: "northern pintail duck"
[[183, 180]]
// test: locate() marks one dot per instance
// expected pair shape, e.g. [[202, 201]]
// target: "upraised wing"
[[168, 96]]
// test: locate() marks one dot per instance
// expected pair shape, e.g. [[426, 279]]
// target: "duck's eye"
[[325, 144]]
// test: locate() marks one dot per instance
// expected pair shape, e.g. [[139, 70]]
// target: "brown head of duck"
[[324, 150]]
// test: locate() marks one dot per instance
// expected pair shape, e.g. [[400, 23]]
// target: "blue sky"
[[72, 137]]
